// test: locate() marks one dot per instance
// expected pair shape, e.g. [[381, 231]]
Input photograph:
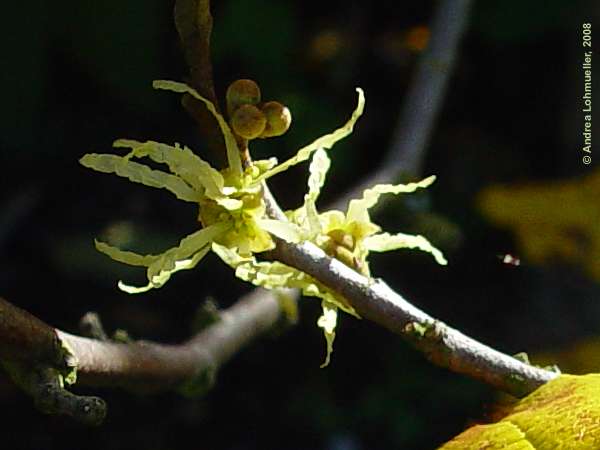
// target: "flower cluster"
[[233, 215]]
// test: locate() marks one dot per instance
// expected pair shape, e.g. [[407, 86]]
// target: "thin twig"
[[26, 339], [139, 365], [194, 23], [148, 366], [33, 354]]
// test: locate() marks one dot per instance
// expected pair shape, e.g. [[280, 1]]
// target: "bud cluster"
[[251, 119]]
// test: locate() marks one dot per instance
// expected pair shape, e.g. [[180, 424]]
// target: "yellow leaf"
[[563, 414]]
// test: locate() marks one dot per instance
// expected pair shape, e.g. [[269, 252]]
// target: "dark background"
[[77, 74]]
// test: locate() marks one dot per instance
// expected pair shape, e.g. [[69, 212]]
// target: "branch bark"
[[26, 339], [194, 22], [146, 366], [142, 366], [441, 344], [32, 352]]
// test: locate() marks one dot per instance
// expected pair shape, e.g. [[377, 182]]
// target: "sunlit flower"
[[232, 208], [350, 236], [232, 213]]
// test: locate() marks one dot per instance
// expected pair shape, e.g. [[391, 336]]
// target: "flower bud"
[[241, 92], [278, 117], [248, 122]]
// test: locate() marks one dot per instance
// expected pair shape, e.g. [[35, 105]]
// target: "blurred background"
[[506, 149]]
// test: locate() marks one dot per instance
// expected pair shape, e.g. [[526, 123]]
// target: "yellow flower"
[[233, 214], [350, 236], [232, 209]]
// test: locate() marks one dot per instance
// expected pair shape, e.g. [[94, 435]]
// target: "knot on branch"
[[46, 386], [91, 326], [50, 397], [432, 332]]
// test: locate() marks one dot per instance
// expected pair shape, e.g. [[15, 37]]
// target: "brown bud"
[[241, 92], [278, 117], [248, 121]]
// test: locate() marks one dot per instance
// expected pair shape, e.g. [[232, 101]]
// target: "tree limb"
[[34, 356], [146, 366], [194, 22], [30, 348], [442, 345], [25, 338]]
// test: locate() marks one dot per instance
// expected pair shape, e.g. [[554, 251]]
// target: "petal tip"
[[133, 289]]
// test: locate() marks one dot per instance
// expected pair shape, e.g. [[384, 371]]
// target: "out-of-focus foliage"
[[554, 222], [562, 414]]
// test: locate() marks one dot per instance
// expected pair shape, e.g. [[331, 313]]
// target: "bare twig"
[[424, 98], [26, 339], [140, 365], [90, 326], [194, 22], [33, 355], [148, 366], [33, 351]]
